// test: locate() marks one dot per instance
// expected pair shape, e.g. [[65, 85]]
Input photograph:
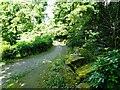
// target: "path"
[[35, 65]]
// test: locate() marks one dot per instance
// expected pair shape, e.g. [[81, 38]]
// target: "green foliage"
[[76, 39], [94, 27], [107, 75], [108, 24], [55, 79], [8, 52], [40, 44], [91, 26], [61, 76], [21, 25], [24, 48], [17, 77], [76, 16], [83, 23], [86, 53], [17, 18], [83, 52]]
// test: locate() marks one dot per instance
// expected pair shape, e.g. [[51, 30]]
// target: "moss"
[[70, 77], [82, 73], [84, 86], [84, 70], [73, 58]]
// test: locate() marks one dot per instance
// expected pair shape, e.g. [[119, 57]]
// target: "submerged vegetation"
[[90, 29]]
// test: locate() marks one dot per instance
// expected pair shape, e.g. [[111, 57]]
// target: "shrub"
[[84, 53], [8, 52], [47, 39], [75, 41], [37, 46], [23, 48], [107, 73], [40, 44]]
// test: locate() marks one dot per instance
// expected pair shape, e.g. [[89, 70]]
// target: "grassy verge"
[[15, 81], [59, 75]]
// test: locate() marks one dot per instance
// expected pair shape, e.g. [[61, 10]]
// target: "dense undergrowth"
[[60, 76], [107, 75], [93, 28]]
